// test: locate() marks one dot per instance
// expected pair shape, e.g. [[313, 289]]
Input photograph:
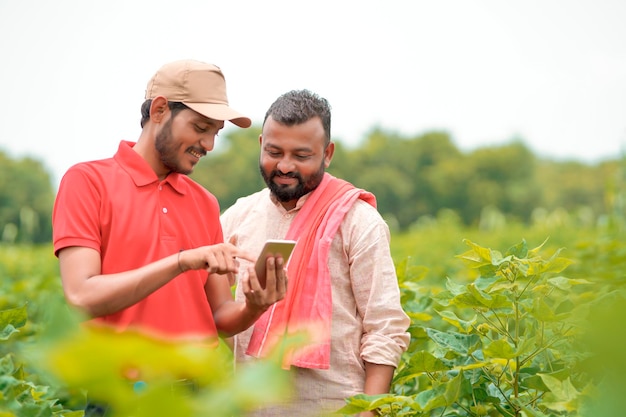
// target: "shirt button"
[[164, 210], [160, 187]]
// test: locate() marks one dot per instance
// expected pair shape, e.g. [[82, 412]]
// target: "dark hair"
[[174, 106], [298, 106]]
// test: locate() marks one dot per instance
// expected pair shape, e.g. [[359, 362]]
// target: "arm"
[[87, 289], [377, 381], [232, 317], [377, 296], [377, 378]]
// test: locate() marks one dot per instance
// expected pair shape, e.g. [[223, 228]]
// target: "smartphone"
[[272, 247]]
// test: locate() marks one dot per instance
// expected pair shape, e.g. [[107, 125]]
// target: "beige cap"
[[200, 86]]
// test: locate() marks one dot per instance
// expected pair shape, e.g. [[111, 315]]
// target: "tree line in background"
[[413, 178], [26, 200]]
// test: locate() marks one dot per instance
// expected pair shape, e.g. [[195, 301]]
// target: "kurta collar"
[[298, 206]]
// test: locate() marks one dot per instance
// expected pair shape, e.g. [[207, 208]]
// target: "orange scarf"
[[307, 306]]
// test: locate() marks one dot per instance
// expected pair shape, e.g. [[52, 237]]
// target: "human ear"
[[328, 153], [158, 109]]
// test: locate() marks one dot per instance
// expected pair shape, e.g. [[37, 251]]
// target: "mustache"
[[287, 175]]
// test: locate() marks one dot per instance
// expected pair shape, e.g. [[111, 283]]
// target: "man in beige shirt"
[[342, 278]]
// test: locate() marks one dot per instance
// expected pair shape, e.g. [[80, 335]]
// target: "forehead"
[[310, 132]]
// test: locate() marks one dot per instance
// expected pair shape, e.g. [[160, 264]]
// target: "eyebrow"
[[302, 149], [203, 119]]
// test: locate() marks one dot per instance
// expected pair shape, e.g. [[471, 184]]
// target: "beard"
[[168, 150], [285, 193]]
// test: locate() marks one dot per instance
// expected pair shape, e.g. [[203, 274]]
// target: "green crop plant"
[[22, 392], [505, 343]]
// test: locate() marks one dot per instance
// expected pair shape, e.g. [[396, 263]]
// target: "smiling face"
[[185, 138], [293, 158]]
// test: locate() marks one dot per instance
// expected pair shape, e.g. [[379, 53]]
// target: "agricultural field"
[[507, 320]]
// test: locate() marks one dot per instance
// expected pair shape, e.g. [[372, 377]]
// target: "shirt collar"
[[141, 172]]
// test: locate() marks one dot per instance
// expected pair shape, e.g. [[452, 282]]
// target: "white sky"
[[551, 72]]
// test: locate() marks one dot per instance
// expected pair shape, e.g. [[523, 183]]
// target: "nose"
[[285, 165], [208, 142]]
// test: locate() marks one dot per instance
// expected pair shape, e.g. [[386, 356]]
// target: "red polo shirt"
[[120, 208]]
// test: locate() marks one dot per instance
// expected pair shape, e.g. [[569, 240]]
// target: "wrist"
[[180, 265], [256, 310]]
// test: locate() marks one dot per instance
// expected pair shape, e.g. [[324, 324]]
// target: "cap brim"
[[220, 112]]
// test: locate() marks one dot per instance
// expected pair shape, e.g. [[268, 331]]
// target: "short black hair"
[[298, 106]]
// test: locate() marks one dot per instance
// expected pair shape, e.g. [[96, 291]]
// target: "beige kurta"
[[368, 323]]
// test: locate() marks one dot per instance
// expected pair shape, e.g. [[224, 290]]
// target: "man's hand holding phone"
[[271, 272], [273, 248]]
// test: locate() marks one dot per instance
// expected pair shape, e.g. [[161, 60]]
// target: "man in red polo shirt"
[[139, 243]]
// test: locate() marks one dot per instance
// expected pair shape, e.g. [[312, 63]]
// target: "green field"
[[493, 333]]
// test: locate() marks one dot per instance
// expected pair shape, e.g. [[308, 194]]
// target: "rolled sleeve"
[[376, 291]]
